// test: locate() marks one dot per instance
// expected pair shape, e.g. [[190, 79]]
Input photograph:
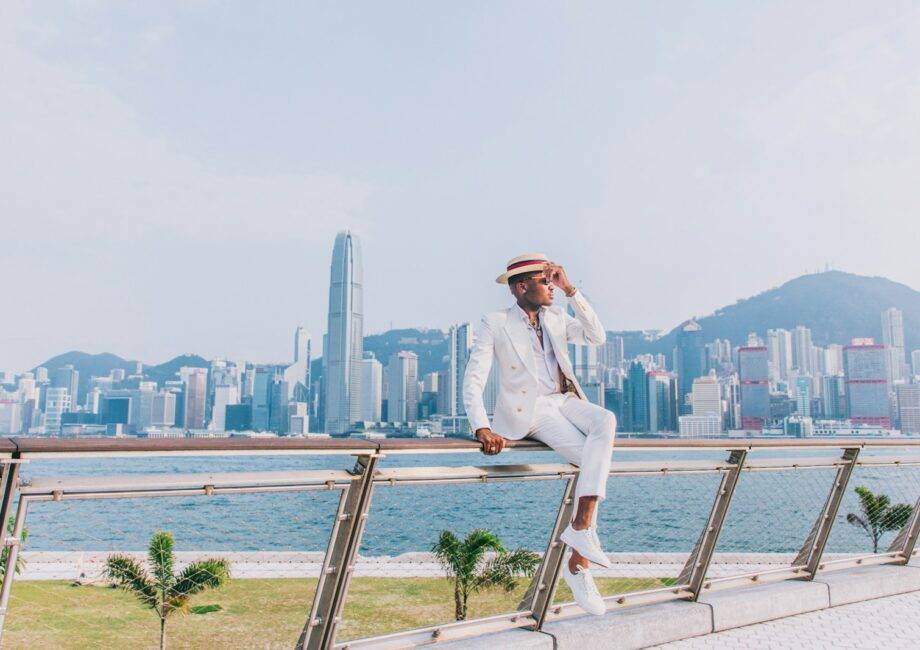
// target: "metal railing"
[[357, 487]]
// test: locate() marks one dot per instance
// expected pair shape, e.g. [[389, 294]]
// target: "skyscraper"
[[690, 361], [636, 398], [585, 360], [297, 375], [224, 396], [402, 384], [867, 386], [802, 349], [915, 362], [909, 408], [57, 402], [803, 396], [753, 370], [834, 397], [893, 339], [662, 397], [68, 378], [196, 389], [779, 349], [613, 352], [344, 342], [371, 387], [461, 341], [706, 397]]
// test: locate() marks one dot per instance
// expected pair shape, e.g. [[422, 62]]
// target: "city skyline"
[[660, 140]]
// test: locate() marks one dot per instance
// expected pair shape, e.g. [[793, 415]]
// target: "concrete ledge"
[[524, 639], [748, 605], [638, 627], [865, 583]]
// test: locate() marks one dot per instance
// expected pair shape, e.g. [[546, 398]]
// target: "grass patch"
[[244, 613]]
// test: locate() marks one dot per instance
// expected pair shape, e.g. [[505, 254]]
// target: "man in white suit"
[[539, 397]]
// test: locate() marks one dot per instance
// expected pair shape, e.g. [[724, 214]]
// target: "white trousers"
[[580, 432]]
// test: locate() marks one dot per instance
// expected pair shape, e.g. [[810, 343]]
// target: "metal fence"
[[731, 513]]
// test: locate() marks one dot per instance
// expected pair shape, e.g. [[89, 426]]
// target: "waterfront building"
[[263, 377], [803, 396], [402, 387], [706, 397], [371, 388], [57, 402], [867, 382], [689, 362], [662, 396], [915, 362], [297, 375], [636, 399], [68, 378], [909, 408], [344, 342], [699, 426], [834, 397], [115, 408], [893, 340], [10, 416], [278, 404], [224, 396], [298, 419], [164, 409], [238, 417], [779, 353], [754, 377], [460, 341], [802, 350], [196, 390]]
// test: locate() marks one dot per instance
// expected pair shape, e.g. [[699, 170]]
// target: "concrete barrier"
[[638, 627], [865, 583]]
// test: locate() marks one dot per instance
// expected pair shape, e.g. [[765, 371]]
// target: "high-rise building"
[[298, 419], [224, 396], [803, 396], [802, 354], [636, 399], [196, 390], [402, 387], [893, 339], [69, 378], [754, 376], [57, 402], [278, 404], [867, 385], [690, 361], [662, 396], [41, 375], [344, 342], [706, 396], [460, 341], [164, 409], [833, 359], [585, 359], [779, 353], [909, 408], [915, 362], [263, 376], [613, 353], [297, 375], [834, 397], [371, 388]]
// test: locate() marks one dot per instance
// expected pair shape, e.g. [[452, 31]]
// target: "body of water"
[[771, 511]]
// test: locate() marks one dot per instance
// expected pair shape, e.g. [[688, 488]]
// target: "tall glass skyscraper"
[[691, 362], [344, 342]]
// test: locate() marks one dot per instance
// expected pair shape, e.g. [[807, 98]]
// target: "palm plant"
[[877, 515], [5, 553], [470, 568], [162, 590]]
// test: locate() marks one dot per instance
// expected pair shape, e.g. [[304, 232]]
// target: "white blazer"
[[503, 336]]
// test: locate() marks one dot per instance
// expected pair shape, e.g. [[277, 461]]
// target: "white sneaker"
[[587, 544], [584, 590]]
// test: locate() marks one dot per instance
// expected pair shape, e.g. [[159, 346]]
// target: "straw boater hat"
[[523, 264]]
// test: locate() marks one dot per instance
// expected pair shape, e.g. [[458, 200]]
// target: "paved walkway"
[[888, 623]]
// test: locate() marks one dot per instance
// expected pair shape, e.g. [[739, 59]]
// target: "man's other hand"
[[492, 443]]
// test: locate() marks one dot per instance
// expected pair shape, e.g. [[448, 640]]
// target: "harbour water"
[[771, 511]]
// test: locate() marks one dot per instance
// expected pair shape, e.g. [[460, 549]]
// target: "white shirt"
[[544, 356]]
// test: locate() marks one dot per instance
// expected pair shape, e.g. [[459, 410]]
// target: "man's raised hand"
[[492, 443]]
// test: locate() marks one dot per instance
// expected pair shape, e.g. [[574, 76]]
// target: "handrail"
[[357, 487], [36, 447]]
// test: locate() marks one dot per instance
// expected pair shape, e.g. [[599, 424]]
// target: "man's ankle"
[[580, 525]]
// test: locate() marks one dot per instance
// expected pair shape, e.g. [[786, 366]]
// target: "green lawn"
[[253, 613]]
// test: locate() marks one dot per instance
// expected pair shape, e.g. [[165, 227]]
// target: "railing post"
[[906, 540], [11, 543], [319, 631], [694, 571], [813, 548], [539, 596], [8, 480]]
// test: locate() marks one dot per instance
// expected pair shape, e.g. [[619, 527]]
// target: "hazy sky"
[[172, 175]]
